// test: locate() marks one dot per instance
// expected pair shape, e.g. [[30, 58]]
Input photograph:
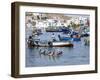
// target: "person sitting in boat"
[[50, 43]]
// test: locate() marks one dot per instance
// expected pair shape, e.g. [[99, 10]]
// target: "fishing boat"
[[53, 30], [76, 39], [64, 38], [66, 30], [57, 44], [76, 36], [51, 44]]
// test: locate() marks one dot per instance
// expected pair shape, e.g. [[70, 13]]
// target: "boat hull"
[[56, 44]]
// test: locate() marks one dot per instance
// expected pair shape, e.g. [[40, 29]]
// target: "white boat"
[[58, 44], [62, 44]]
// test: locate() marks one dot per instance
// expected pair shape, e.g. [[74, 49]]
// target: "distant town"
[[47, 21]]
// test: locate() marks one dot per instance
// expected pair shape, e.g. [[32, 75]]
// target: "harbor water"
[[76, 55]]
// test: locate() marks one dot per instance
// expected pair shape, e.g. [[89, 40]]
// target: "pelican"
[[42, 51]]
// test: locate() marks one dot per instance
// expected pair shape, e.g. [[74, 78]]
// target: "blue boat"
[[65, 38], [66, 30], [61, 38], [73, 34], [76, 36], [76, 39]]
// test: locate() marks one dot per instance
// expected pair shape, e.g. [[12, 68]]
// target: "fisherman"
[[30, 42], [50, 43], [53, 37], [59, 37]]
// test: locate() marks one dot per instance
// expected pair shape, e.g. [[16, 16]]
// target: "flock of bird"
[[50, 53]]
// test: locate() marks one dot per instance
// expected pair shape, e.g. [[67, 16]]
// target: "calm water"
[[76, 55]]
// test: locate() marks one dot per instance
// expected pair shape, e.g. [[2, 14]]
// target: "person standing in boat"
[[37, 42], [59, 37], [53, 37], [30, 41]]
